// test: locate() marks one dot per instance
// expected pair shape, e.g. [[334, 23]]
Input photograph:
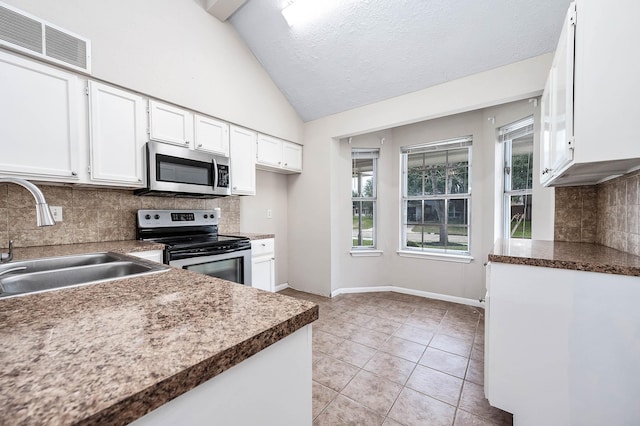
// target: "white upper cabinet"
[[211, 135], [117, 133], [589, 104], [269, 151], [41, 111], [292, 156], [170, 124], [243, 161], [279, 156]]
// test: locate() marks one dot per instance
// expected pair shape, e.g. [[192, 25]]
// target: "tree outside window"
[[436, 199]]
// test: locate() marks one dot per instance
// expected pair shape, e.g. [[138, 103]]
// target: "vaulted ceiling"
[[363, 51]]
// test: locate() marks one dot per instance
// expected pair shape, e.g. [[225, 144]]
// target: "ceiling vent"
[[36, 37]]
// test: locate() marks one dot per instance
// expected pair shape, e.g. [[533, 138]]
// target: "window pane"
[[522, 162], [414, 236], [434, 211], [458, 212], [363, 221], [435, 169], [458, 238], [414, 211], [520, 216], [458, 172], [415, 163], [362, 178]]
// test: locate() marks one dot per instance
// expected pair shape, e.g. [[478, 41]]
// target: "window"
[[437, 196], [517, 139], [363, 197]]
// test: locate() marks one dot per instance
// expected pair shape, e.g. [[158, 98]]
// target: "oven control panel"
[[169, 218]]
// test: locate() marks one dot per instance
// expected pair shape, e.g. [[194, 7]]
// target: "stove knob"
[[156, 217], [147, 216], [206, 217]]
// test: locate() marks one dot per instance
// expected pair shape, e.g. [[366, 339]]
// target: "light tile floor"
[[395, 359]]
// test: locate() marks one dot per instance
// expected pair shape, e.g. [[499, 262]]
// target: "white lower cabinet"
[[263, 264], [272, 387], [41, 111], [243, 161], [562, 346], [117, 133]]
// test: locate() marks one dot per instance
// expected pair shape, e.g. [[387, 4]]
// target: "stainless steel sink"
[[38, 275]]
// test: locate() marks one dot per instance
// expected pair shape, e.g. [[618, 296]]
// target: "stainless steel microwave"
[[181, 172]]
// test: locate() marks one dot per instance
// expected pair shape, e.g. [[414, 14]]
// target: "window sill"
[[446, 257], [366, 253]]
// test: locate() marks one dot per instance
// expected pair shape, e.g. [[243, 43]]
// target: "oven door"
[[234, 266]]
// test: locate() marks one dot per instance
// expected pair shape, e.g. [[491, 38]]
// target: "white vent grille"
[[19, 30], [65, 47], [36, 37]]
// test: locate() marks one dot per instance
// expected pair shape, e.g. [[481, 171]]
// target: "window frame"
[[374, 155], [507, 134], [446, 146]]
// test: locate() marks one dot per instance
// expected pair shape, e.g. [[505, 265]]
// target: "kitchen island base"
[[272, 387]]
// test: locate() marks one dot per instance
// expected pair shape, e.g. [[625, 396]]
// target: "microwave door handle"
[[215, 173]]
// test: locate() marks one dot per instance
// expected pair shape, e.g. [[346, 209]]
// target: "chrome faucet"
[[43, 214]]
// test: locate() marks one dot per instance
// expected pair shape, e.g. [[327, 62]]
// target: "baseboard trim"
[[420, 293], [281, 287]]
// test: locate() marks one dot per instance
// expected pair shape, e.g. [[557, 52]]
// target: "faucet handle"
[[7, 257]]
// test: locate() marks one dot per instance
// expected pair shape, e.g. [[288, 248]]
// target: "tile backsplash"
[[607, 213], [92, 215]]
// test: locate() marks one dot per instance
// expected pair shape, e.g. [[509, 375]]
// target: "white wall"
[[176, 51], [271, 193], [315, 212]]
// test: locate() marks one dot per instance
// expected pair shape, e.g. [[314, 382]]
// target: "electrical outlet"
[[269, 214], [56, 211]]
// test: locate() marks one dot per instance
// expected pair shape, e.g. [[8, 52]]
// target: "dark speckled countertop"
[[564, 255], [109, 353]]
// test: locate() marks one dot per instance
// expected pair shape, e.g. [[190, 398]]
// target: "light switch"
[[56, 211]]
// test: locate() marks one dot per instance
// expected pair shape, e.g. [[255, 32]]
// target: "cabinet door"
[[40, 114], [292, 156], [211, 135], [263, 274], [117, 130], [243, 161], [269, 151], [170, 124], [546, 132]]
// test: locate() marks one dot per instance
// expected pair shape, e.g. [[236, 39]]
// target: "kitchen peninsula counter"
[[109, 353], [565, 255]]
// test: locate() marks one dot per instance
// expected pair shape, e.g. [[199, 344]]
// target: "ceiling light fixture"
[[299, 12]]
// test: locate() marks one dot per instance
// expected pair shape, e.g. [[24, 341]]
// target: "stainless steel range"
[[192, 242]]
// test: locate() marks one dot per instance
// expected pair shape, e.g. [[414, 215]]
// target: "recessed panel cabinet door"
[[269, 151], [292, 156], [211, 135], [117, 135], [40, 114], [243, 161], [170, 124]]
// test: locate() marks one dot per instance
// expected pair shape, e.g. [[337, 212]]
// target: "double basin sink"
[[38, 275]]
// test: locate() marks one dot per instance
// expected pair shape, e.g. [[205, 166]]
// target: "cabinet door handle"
[[286, 164], [199, 145], [235, 187], [74, 173], [186, 142]]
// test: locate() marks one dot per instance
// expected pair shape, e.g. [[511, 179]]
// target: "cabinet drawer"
[[264, 247]]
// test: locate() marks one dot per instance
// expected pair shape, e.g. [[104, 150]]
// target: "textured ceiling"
[[365, 51]]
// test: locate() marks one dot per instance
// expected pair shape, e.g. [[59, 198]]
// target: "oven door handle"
[[185, 254]]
